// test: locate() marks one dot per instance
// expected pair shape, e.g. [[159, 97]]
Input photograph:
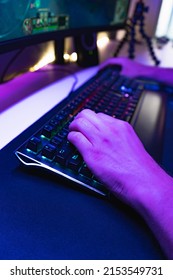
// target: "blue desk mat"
[[43, 216]]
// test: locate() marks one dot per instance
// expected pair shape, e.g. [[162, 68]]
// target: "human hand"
[[130, 68], [134, 69], [112, 151]]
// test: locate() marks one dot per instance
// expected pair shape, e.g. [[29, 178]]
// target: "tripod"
[[137, 19]]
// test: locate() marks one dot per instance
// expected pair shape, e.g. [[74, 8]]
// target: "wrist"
[[153, 191], [155, 206]]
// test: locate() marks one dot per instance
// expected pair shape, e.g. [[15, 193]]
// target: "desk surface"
[[44, 216], [31, 95], [24, 93]]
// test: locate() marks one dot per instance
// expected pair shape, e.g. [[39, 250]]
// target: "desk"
[[46, 217], [19, 97], [31, 95]]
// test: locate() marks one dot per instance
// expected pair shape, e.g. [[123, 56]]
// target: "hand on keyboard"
[[110, 148], [128, 67], [115, 155]]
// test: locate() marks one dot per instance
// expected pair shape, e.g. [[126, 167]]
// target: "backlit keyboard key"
[[34, 144]]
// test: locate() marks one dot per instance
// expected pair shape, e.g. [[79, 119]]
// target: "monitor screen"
[[27, 22]]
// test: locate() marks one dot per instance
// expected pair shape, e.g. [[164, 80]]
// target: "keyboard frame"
[[152, 142]]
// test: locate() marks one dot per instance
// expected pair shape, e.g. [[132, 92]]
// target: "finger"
[[107, 118], [101, 121], [91, 116], [85, 127], [79, 141], [110, 122]]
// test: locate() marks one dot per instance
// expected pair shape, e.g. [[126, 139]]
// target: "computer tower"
[[86, 48]]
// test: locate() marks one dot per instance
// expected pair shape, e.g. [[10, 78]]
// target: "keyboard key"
[[34, 144], [54, 124], [47, 131], [49, 151], [62, 133], [61, 156], [74, 161], [85, 171], [56, 141], [70, 149]]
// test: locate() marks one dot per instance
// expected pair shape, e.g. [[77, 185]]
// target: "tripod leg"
[[149, 43], [122, 42], [151, 50], [131, 49]]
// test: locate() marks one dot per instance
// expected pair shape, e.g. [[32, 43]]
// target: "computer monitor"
[[28, 22]]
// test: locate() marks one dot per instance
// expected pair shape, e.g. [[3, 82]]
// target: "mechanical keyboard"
[[48, 147]]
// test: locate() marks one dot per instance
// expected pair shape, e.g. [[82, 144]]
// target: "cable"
[[63, 70], [8, 65]]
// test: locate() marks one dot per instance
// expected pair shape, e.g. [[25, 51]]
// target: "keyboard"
[[48, 147]]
